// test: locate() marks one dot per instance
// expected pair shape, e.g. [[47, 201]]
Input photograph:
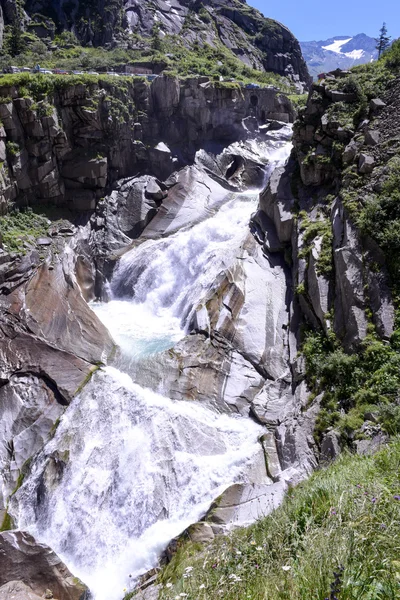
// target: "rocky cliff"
[[66, 142], [242, 31]]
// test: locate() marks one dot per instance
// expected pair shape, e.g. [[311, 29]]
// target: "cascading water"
[[128, 469]]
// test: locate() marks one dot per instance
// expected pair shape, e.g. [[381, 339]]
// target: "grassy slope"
[[337, 535]]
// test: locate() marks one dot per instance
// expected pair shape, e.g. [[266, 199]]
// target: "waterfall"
[[129, 469]]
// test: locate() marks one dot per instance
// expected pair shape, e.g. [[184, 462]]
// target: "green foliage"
[[18, 228], [383, 41], [12, 149], [350, 381], [7, 523], [15, 43], [392, 57], [380, 218], [344, 520], [312, 230]]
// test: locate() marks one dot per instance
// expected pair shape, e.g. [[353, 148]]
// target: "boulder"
[[366, 164], [201, 532], [330, 447], [376, 104], [23, 559], [350, 152], [372, 137]]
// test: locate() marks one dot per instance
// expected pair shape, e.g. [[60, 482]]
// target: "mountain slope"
[[341, 51], [145, 25]]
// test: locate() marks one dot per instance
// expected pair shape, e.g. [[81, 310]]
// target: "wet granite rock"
[[29, 565]]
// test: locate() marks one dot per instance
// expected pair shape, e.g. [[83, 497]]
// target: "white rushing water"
[[129, 469]]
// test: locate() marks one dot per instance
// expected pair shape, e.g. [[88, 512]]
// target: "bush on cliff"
[[336, 535]]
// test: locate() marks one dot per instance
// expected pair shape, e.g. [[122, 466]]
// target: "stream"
[[129, 468]]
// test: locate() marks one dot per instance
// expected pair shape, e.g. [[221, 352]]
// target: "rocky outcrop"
[[30, 570], [50, 344], [69, 147], [258, 42]]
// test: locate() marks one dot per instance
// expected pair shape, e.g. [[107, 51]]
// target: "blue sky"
[[320, 20]]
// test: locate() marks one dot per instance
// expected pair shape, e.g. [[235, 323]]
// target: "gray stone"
[[372, 137], [366, 163], [277, 202], [330, 447], [271, 456], [17, 590], [242, 504], [376, 104], [342, 96], [201, 533], [350, 152], [43, 241], [37, 566]]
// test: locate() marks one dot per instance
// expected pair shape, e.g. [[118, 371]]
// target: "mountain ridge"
[[338, 52]]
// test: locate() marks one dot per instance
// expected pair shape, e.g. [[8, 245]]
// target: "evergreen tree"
[[15, 43], [383, 41], [156, 42]]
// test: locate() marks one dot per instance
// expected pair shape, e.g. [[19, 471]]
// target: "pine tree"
[[383, 41], [15, 43], [156, 42]]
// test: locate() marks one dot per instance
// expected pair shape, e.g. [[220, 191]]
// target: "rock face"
[[30, 570], [50, 344], [258, 42], [338, 282], [70, 147]]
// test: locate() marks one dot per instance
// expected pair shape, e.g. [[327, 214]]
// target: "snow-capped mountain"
[[342, 51]]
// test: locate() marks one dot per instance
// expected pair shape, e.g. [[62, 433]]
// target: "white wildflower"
[[202, 586], [259, 548], [286, 568], [168, 585]]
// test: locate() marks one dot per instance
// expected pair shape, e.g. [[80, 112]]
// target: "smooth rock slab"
[[23, 559], [17, 590], [242, 504]]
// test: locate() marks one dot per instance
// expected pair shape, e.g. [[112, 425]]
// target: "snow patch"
[[355, 54], [337, 45]]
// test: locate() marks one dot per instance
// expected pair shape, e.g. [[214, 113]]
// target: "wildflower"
[[202, 586], [188, 569], [238, 552], [214, 566], [252, 543], [397, 497], [373, 500], [259, 548], [168, 585], [257, 566], [382, 526], [286, 568]]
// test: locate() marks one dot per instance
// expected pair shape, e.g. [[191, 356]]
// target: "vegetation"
[[335, 536], [20, 229], [383, 41]]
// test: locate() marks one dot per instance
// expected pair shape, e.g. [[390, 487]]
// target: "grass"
[[336, 535], [20, 228]]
